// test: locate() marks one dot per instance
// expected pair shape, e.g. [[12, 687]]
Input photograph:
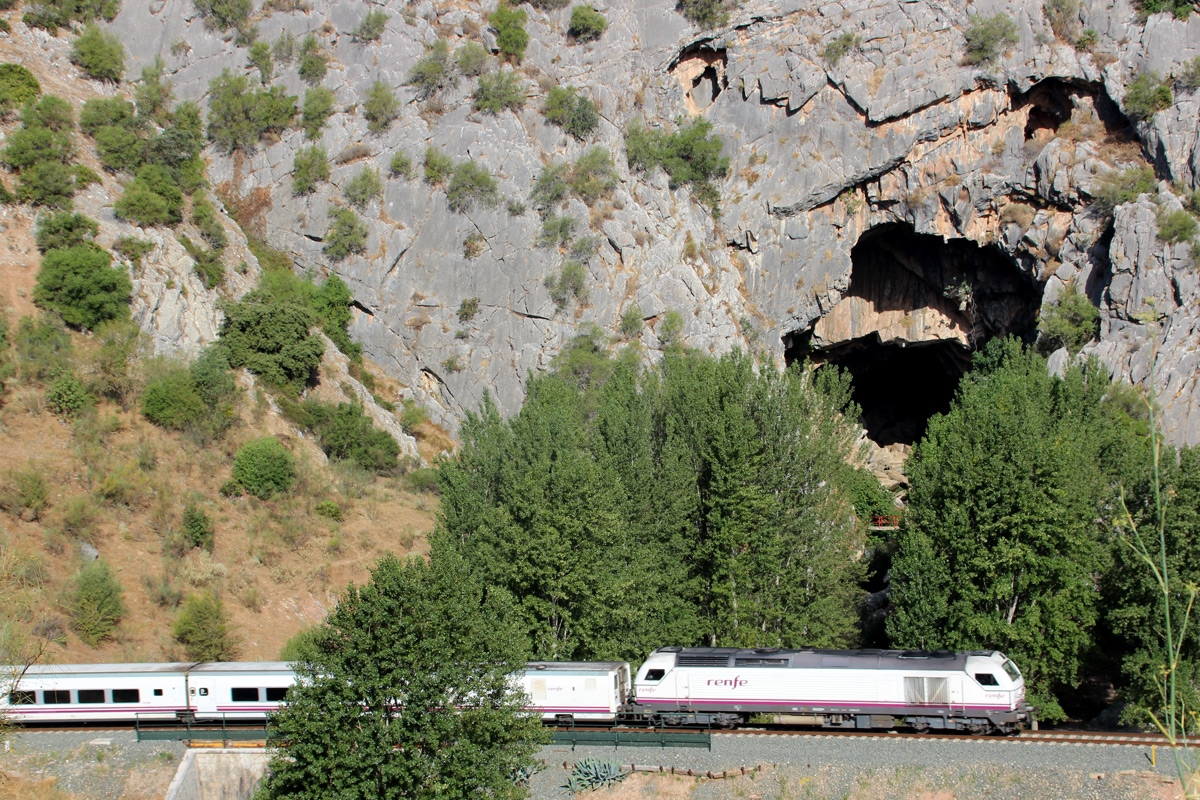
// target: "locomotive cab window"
[[21, 698], [91, 695], [986, 679], [126, 696], [655, 674], [275, 694], [244, 695], [55, 696]]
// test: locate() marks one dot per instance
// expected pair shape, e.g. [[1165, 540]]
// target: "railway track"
[[1026, 737]]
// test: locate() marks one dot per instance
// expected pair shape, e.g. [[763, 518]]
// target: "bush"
[[47, 183], [97, 606], [224, 14], [64, 230], [363, 187], [372, 25], [133, 250], [471, 184], [1071, 322], [835, 50], [1177, 226], [345, 433], [572, 112], [557, 230], [260, 58], [1146, 96], [203, 630], [18, 86], [51, 112], [631, 321], [238, 117], [438, 166], [433, 72], [1182, 9], [171, 401], [204, 217], [346, 235], [198, 530], [264, 468], [312, 60], [26, 493], [423, 480], [82, 286], [43, 347], [329, 510], [988, 37], [689, 156], [593, 175], [467, 309], [29, 146], [498, 91], [153, 198], [400, 166], [587, 24], [106, 112], [511, 37], [153, 94], [101, 55], [1117, 188], [570, 282], [1063, 16], [206, 263], [318, 108], [120, 148], [705, 13], [1189, 77], [67, 396], [271, 338], [380, 108], [309, 167], [471, 58]]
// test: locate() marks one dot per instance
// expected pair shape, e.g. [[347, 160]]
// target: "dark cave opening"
[[705, 88], [916, 309]]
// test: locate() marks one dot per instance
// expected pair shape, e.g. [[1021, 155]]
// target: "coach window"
[[655, 674], [244, 695], [55, 696], [126, 696], [91, 695], [275, 694], [158, 692], [21, 699], [986, 679]]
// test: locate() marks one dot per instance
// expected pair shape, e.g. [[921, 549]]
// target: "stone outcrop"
[[1004, 158]]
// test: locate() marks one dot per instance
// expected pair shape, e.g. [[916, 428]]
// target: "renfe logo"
[[732, 683]]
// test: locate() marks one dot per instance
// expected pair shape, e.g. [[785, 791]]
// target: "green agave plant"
[[594, 773]]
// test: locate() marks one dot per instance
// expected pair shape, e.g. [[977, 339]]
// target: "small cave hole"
[[701, 72], [917, 308]]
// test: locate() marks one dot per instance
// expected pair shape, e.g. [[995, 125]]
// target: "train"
[[722, 687]]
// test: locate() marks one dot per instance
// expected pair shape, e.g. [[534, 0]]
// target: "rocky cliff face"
[[877, 205]]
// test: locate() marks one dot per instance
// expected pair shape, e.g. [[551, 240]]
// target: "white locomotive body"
[[979, 691]]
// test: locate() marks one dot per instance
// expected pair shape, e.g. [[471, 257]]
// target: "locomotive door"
[[683, 689]]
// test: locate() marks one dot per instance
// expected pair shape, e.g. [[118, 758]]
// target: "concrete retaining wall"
[[218, 774]]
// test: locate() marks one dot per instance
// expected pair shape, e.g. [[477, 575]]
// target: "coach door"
[[683, 688]]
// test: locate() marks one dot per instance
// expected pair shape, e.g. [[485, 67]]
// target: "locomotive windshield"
[[1012, 670]]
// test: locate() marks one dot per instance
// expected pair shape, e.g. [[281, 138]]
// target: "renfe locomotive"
[[979, 691]]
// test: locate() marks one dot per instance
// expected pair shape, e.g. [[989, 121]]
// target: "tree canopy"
[[1001, 545], [700, 501], [368, 716]]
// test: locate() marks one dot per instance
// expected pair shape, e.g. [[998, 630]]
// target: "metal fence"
[[633, 737], [207, 730]]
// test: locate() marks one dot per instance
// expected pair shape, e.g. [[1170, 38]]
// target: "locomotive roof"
[[574, 666], [911, 660]]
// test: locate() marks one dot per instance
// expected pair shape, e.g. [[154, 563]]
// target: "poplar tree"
[[1002, 545], [406, 692]]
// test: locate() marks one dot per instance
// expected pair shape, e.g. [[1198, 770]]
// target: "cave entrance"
[[917, 308]]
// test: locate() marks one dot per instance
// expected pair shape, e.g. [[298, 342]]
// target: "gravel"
[[96, 764], [853, 767]]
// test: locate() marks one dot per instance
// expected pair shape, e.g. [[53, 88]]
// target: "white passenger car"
[[979, 691], [582, 691]]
